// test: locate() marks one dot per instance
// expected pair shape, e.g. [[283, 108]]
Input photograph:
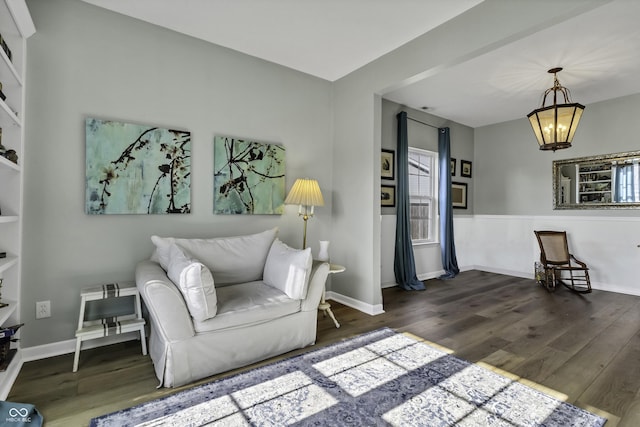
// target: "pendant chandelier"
[[556, 124]]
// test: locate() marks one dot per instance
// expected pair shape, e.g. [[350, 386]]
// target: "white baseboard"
[[421, 277], [370, 309], [432, 275], [514, 273], [69, 346], [615, 288]]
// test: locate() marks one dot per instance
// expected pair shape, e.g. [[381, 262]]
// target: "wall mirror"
[[610, 181]]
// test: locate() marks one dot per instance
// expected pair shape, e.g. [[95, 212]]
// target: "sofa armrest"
[[319, 274], [164, 301]]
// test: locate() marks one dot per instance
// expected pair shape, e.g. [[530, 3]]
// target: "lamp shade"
[[305, 192], [555, 125]]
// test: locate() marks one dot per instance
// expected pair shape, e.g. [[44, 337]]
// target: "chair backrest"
[[553, 247]]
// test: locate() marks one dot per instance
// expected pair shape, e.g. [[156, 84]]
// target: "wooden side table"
[[109, 326], [324, 305]]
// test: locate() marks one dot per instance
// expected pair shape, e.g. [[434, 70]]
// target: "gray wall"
[[85, 61], [425, 137], [513, 177], [427, 257], [357, 122]]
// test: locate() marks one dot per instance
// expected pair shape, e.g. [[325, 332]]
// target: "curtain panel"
[[447, 245], [404, 265]]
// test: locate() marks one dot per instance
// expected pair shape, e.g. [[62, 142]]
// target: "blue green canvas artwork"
[[248, 177], [136, 169]]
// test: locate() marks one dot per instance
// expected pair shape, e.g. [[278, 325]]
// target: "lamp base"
[[304, 233]]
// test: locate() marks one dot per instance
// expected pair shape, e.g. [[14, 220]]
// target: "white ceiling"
[[599, 50]]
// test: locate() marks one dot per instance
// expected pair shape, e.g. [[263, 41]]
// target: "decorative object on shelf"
[[2, 304], [2, 147], [5, 47], [459, 195], [6, 352], [248, 177], [136, 169], [453, 166], [388, 196], [387, 164], [10, 331], [11, 155], [555, 125], [465, 168], [306, 194], [323, 253]]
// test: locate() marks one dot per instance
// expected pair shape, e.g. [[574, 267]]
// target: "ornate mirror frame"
[[589, 182]]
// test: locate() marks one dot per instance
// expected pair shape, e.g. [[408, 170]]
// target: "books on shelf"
[[6, 352], [8, 332]]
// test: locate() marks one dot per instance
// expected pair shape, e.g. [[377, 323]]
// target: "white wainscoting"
[[506, 244]]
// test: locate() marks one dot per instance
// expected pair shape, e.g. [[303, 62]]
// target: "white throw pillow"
[[161, 254], [288, 269], [237, 259], [194, 281]]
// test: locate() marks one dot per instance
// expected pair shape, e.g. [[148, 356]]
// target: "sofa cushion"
[[231, 259], [194, 281], [246, 304], [288, 269]]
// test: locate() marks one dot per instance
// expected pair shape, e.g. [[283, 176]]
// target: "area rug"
[[380, 378]]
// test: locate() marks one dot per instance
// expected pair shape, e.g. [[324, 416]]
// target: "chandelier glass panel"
[[556, 124]]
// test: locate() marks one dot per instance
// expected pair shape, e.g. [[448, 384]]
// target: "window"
[[626, 187], [423, 178]]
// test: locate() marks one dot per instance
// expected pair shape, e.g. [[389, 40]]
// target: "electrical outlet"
[[43, 309]]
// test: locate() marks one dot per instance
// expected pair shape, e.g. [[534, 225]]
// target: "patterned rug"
[[377, 379]]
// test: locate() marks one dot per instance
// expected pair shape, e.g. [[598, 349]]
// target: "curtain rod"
[[426, 124]]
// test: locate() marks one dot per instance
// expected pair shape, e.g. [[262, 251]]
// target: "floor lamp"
[[306, 194]]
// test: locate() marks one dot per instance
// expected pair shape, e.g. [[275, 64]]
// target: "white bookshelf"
[[15, 27]]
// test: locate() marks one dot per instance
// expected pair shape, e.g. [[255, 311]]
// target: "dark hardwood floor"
[[585, 348]]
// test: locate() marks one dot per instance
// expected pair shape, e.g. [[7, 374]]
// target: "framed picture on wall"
[[453, 167], [388, 196], [387, 164], [459, 195], [465, 168]]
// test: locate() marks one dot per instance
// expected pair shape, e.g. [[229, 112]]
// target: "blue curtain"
[[449, 261], [404, 265]]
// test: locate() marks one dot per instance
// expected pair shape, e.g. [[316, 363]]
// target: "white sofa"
[[230, 302]]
